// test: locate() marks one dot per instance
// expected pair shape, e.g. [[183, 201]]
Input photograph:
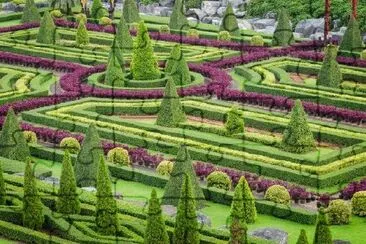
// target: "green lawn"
[[10, 23]]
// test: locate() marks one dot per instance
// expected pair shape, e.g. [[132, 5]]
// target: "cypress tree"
[[303, 239], [250, 211], [234, 122], [352, 40], [82, 37], [86, 166], [193, 4], [114, 73], [32, 206], [177, 67], [106, 207], [131, 12], [238, 232], [330, 74], [144, 65], [116, 52], [155, 232], [182, 166], [47, 30], [30, 12], [123, 36], [322, 232], [298, 137], [12, 142], [68, 199], [171, 112], [229, 22], [283, 35], [178, 20], [97, 10], [186, 225], [2, 187]]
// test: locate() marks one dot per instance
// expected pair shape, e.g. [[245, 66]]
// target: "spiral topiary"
[[278, 194], [224, 36], [256, 40], [339, 212], [193, 33], [165, 168], [219, 180], [359, 203], [30, 136], [71, 144], [119, 155]]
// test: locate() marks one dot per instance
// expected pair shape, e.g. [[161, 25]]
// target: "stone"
[[221, 11], [270, 15], [244, 24], [210, 7], [196, 13], [89, 189], [193, 20], [238, 13], [166, 3], [317, 36], [216, 21], [207, 20], [272, 234], [149, 8], [310, 26], [203, 219], [234, 3], [51, 180], [343, 29], [364, 38], [298, 35], [263, 23], [269, 30], [171, 211], [162, 11]]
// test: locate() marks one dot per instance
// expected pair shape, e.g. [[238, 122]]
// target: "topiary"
[[303, 239], [56, 13], [30, 136], [30, 12], [177, 67], [257, 40], [97, 10], [47, 30], [193, 33], [352, 39], [238, 231], [130, 11], [322, 233], [119, 155], [105, 21], [164, 29], [283, 35], [81, 17], [278, 194], [330, 74], [70, 144], [229, 22], [339, 212], [234, 121], [82, 37], [165, 167], [224, 36], [178, 20], [123, 35], [359, 203], [115, 67], [219, 180], [363, 55]]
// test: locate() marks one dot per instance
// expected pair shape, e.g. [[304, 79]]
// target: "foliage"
[[178, 20], [238, 231], [339, 212], [105, 21], [322, 232], [177, 67], [81, 17], [219, 180], [30, 136], [30, 12], [283, 35], [67, 197], [193, 33], [71, 144], [352, 39], [165, 167], [130, 11], [256, 40], [193, 4], [224, 36], [363, 55], [229, 22], [359, 203], [303, 239], [234, 123], [47, 30], [56, 13], [82, 37], [115, 67], [119, 155], [2, 186], [123, 35], [164, 29], [330, 74], [97, 10], [250, 211], [65, 6], [278, 194]]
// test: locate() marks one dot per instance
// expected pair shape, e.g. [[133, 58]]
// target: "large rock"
[[244, 24], [207, 20], [221, 11], [196, 13], [171, 211], [163, 11], [166, 3], [210, 7], [234, 3], [238, 13], [149, 8], [216, 21], [270, 15], [310, 26], [263, 23], [272, 234], [269, 30]]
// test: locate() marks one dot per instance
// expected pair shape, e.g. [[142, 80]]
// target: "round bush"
[[165, 167], [134, 26], [80, 17], [359, 203], [105, 21], [219, 180], [119, 155], [71, 144], [257, 40], [278, 194], [56, 13], [339, 212], [363, 54], [224, 36], [30, 136], [164, 29], [193, 33]]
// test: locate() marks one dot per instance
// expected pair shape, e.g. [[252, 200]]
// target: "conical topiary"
[[116, 52], [229, 22], [178, 20], [303, 239], [298, 137], [82, 37], [322, 232], [30, 12], [283, 35], [131, 12], [234, 122], [123, 36], [182, 166], [238, 232], [250, 210], [330, 74], [2, 187], [97, 10], [47, 30], [352, 40], [12, 142], [114, 74], [177, 67]]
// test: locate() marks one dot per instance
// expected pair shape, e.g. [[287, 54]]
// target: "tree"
[[250, 211], [298, 137], [155, 232], [115, 67], [352, 40], [106, 207], [30, 12], [229, 22], [234, 122], [82, 37], [283, 35], [12, 142], [123, 36], [97, 10], [116, 52], [303, 239], [322, 232], [144, 65], [86, 166], [47, 30], [186, 225], [32, 206], [182, 166], [65, 6], [131, 12], [330, 74], [68, 199], [2, 187], [178, 20], [177, 67], [238, 232]]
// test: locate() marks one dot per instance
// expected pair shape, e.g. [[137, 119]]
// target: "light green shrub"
[[234, 122], [71, 144], [30, 136], [256, 40], [219, 180], [81, 17], [56, 13], [164, 29], [278, 194], [339, 212], [359, 203], [224, 36], [193, 33], [165, 167], [18, 2], [119, 155], [229, 22], [363, 54], [105, 21]]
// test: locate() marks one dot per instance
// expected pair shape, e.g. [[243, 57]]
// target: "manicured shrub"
[[303, 239], [165, 167], [330, 74], [105, 21], [177, 67], [238, 232], [33, 217], [30, 136], [352, 39], [298, 137], [234, 123], [322, 232], [81, 17], [119, 155], [278, 194], [71, 144], [359, 203], [114, 74], [164, 29], [186, 229], [47, 30], [2, 187], [178, 20], [219, 180], [155, 232], [256, 40], [130, 11], [56, 13], [97, 10], [248, 202], [339, 212], [12, 142], [193, 33], [144, 65], [30, 12], [106, 206], [82, 37], [283, 35], [67, 196], [123, 35], [224, 36], [363, 55], [229, 22], [193, 4]]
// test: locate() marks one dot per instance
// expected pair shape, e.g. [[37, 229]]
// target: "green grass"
[[10, 23]]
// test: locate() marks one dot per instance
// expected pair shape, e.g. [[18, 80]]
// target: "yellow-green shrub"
[[164, 29], [56, 13], [71, 144], [193, 33], [219, 180], [105, 21], [359, 203], [278, 194], [119, 155], [257, 40], [339, 212], [224, 36], [30, 136], [165, 167]]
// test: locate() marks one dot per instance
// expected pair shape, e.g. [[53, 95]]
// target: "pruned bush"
[[30, 136], [30, 12], [278, 194], [283, 35], [71, 144], [224, 36], [165, 167], [119, 155], [164, 29], [193, 33], [339, 212], [47, 30], [256, 40], [105, 21], [178, 19], [219, 180], [130, 11], [363, 54], [234, 122], [56, 13], [352, 39], [229, 22], [359, 203], [81, 17], [330, 74], [97, 10], [82, 37]]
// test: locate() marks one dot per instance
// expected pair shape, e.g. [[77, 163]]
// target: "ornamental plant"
[[82, 37], [144, 65], [130, 11], [165, 168], [155, 232], [186, 229], [330, 74], [303, 239], [123, 36], [278, 194], [322, 232], [298, 137], [164, 29], [114, 75], [339, 212], [56, 13], [229, 22], [32, 206], [67, 197], [105, 21], [352, 40], [70, 144], [359, 203], [238, 232], [248, 202], [178, 20], [47, 30], [193, 33], [224, 36], [171, 111], [119, 155], [2, 187], [363, 55], [116, 52], [219, 180], [283, 35], [30, 12], [193, 4], [257, 40], [234, 123], [177, 67], [12, 142], [30, 136], [97, 10], [81, 17]]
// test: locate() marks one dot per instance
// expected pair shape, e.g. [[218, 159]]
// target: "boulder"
[[238, 13], [234, 3], [270, 15], [221, 11], [166, 3], [149, 8], [51, 180], [171, 211], [207, 20], [269, 30], [244, 24], [276, 235], [210, 7], [162, 11], [216, 21], [308, 27], [196, 13], [263, 23]]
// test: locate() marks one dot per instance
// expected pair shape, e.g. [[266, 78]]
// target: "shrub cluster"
[[105, 21], [256, 40], [164, 29], [30, 136], [359, 203], [234, 122], [330, 74], [339, 212], [70, 144], [224, 36], [119, 155], [165, 168], [219, 180], [56, 13], [278, 194]]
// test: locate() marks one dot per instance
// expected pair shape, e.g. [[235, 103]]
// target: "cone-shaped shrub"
[[352, 40], [238, 232], [182, 166], [229, 22], [123, 36], [130, 11], [250, 211], [237, 204], [32, 206], [178, 20], [2, 187], [330, 74], [97, 10], [283, 35], [68, 199], [234, 122], [106, 207], [144, 65], [155, 232], [298, 137], [82, 37], [115, 67], [171, 112], [177, 66], [12, 142], [322, 232], [186, 225], [86, 166], [30, 12], [47, 30], [116, 52], [303, 239]]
